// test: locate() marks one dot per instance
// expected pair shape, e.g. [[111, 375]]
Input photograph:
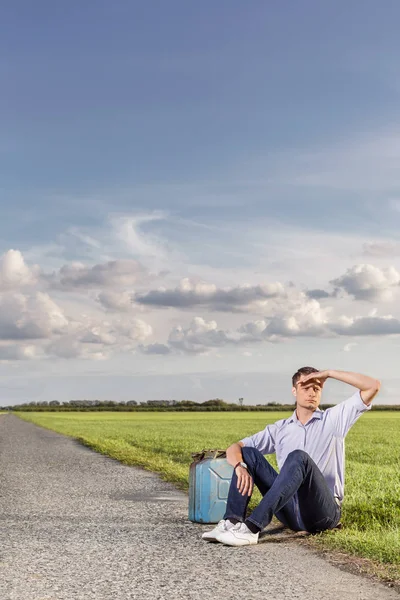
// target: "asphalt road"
[[77, 525]]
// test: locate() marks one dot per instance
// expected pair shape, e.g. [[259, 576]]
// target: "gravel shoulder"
[[77, 525]]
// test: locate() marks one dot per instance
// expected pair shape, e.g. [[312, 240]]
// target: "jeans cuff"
[[259, 525], [236, 517]]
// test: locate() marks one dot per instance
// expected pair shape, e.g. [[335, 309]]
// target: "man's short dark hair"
[[302, 371]]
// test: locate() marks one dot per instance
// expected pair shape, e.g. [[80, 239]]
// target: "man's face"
[[308, 395]]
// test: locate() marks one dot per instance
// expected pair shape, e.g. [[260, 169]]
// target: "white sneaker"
[[238, 535], [223, 525]]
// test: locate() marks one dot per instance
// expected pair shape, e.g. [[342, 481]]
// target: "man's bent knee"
[[250, 455], [298, 455]]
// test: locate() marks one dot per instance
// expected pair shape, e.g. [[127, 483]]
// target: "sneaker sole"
[[239, 545]]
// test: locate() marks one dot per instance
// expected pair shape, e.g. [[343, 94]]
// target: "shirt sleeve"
[[345, 414], [264, 440]]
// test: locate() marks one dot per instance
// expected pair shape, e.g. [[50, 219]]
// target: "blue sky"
[[175, 181]]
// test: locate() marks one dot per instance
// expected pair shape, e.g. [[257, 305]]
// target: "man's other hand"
[[245, 481]]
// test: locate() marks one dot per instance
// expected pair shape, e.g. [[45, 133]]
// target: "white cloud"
[[69, 347], [30, 317], [94, 339], [83, 237], [308, 318], [11, 352], [254, 329], [383, 249], [130, 234], [199, 337], [190, 294], [385, 325], [116, 273], [116, 301], [95, 335], [367, 282], [32, 314], [348, 347], [15, 273], [133, 329], [155, 349], [291, 316], [302, 317]]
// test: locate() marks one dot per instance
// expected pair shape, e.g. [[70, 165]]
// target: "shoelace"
[[242, 527]]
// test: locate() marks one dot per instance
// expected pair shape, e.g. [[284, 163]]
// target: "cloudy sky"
[[197, 198]]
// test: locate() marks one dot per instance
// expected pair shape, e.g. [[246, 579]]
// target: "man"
[[307, 493]]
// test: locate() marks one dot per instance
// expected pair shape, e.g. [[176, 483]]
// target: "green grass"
[[164, 442]]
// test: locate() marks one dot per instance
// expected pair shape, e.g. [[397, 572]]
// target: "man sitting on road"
[[307, 493]]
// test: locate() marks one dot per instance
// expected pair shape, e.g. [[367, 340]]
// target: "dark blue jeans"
[[298, 496]]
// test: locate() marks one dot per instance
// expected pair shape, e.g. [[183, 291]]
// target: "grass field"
[[163, 442]]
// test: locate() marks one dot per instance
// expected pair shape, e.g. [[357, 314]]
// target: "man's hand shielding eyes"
[[244, 481]]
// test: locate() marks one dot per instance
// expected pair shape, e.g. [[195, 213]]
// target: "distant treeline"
[[160, 406], [149, 406]]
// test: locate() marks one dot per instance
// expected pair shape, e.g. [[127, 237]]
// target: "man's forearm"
[[244, 479], [362, 382], [234, 454], [368, 386]]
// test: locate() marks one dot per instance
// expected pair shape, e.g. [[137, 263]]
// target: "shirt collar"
[[317, 414]]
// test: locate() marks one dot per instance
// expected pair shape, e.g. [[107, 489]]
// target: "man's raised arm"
[[368, 386]]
